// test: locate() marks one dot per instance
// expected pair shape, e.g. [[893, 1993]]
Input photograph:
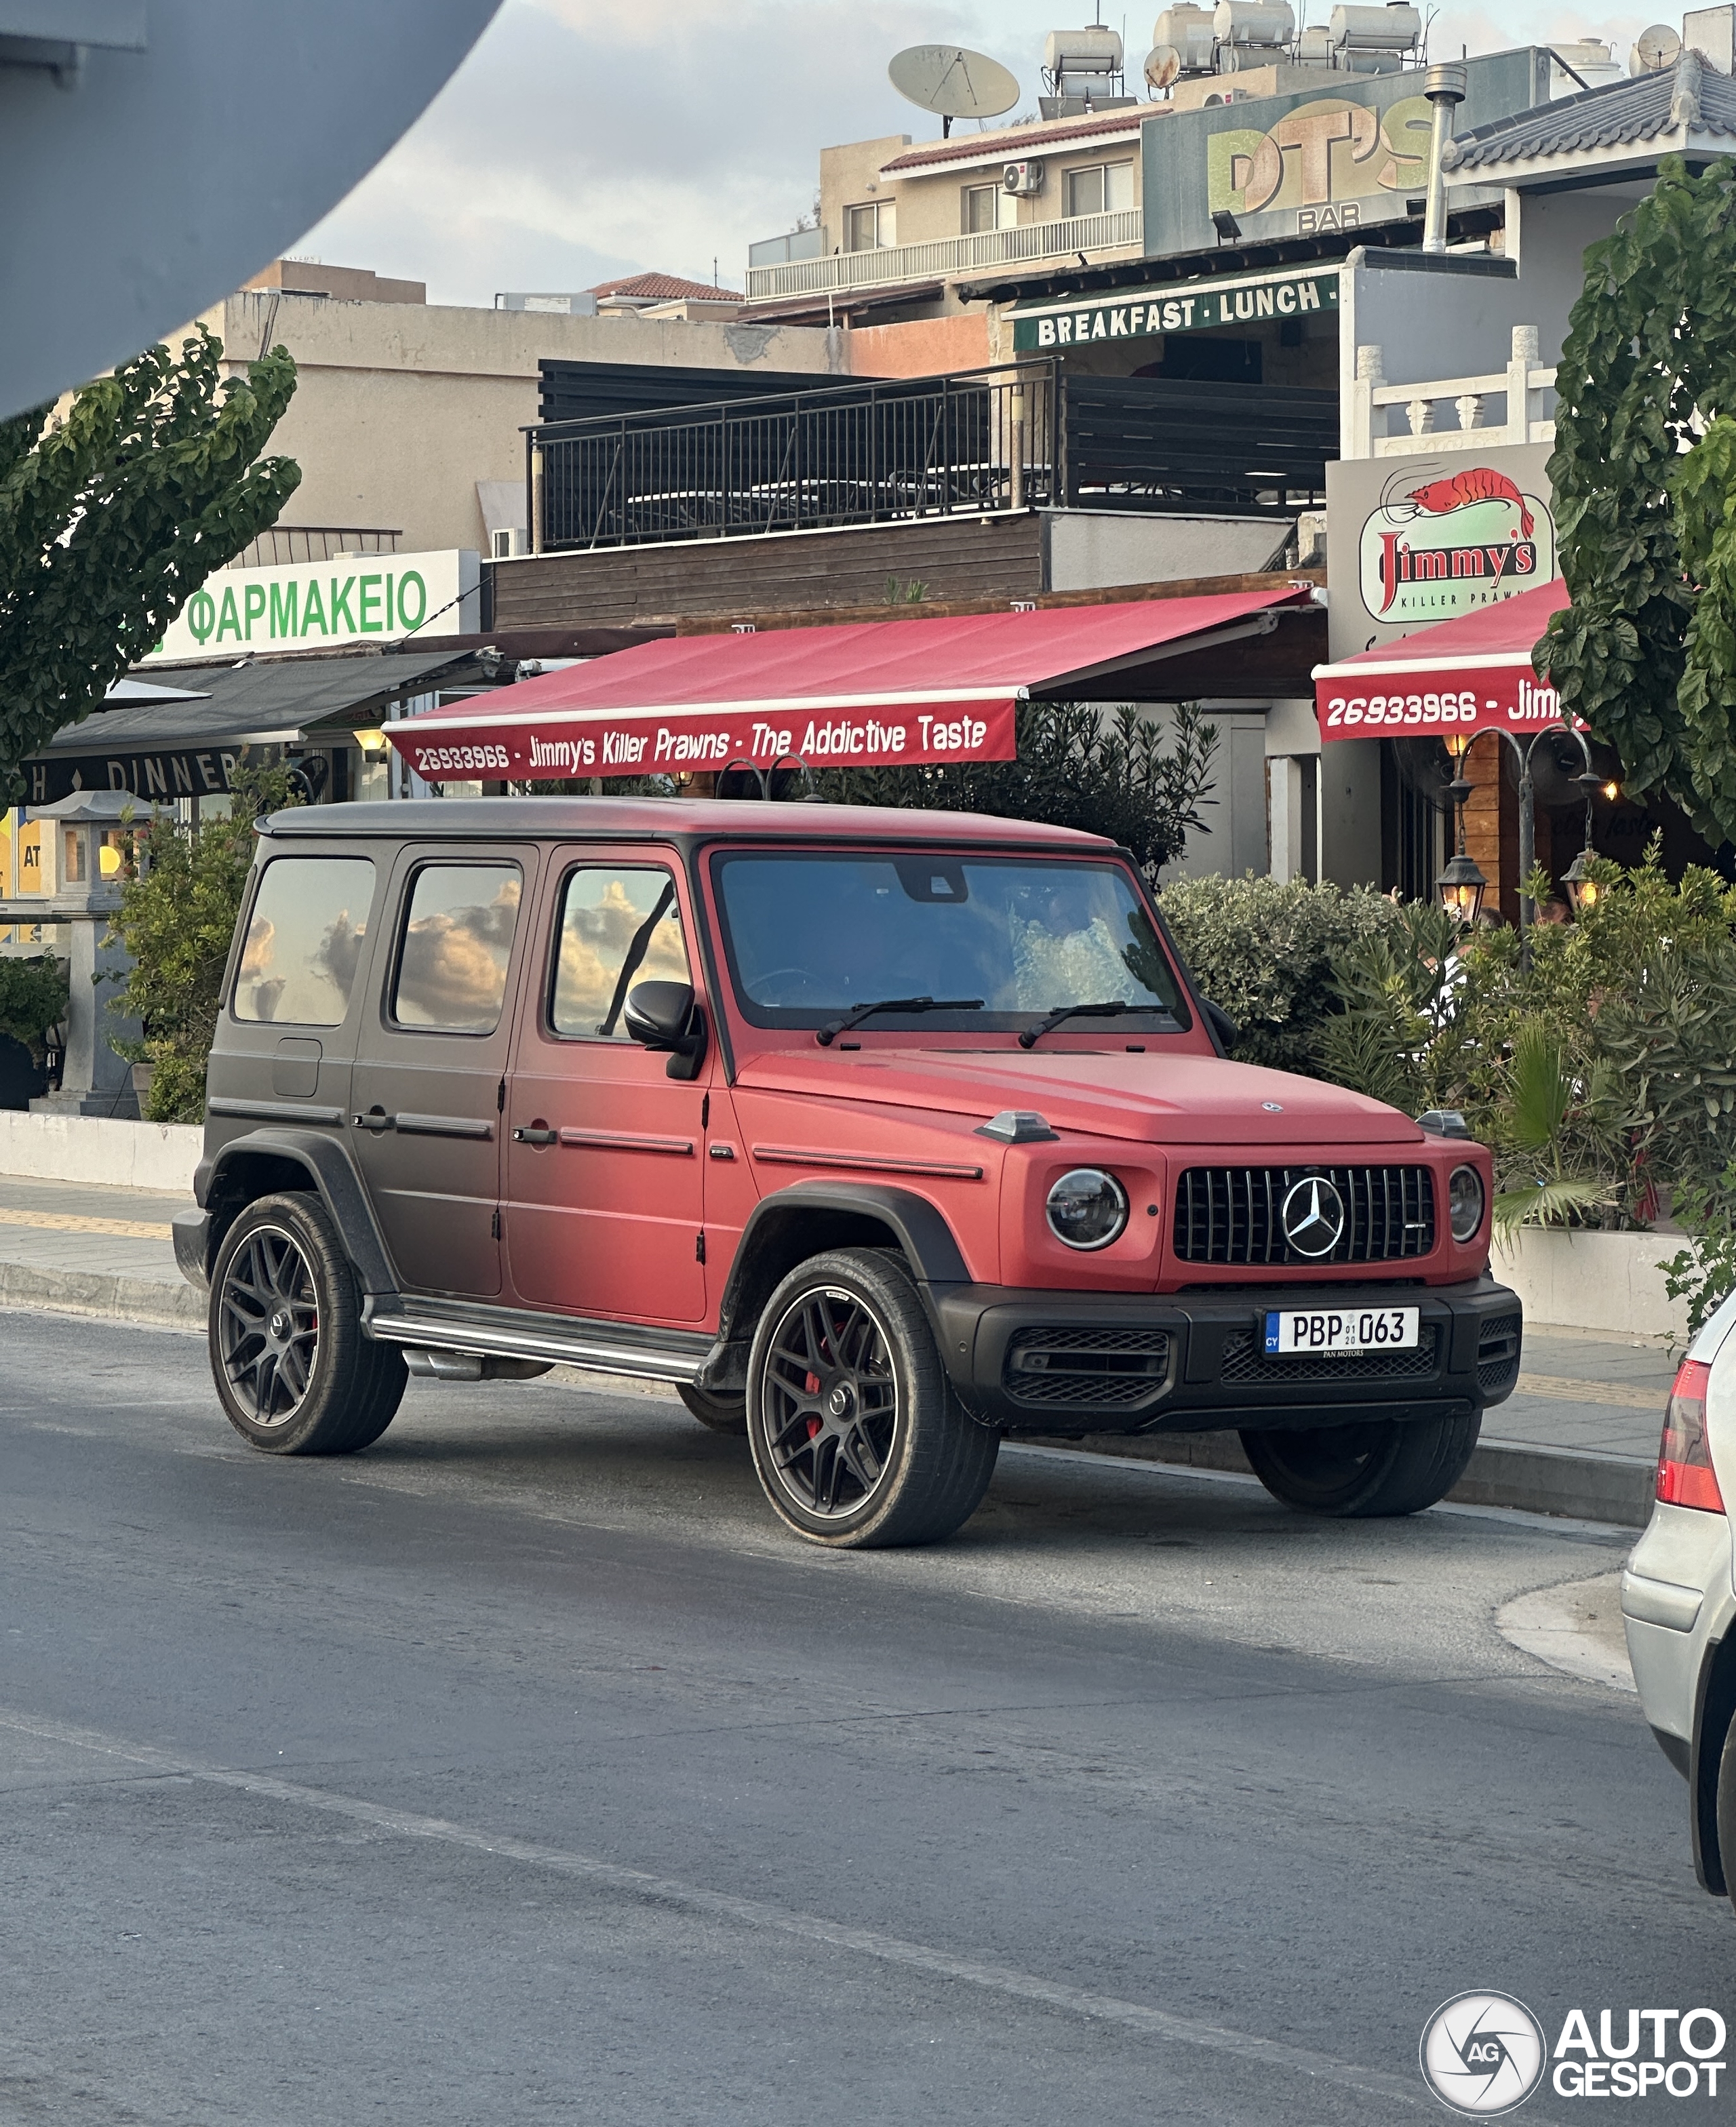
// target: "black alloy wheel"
[[858, 1437], [1366, 1468], [832, 1402], [269, 1325], [294, 1372]]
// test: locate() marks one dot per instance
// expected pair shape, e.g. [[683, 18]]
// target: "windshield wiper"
[[829, 1033], [1111, 1010]]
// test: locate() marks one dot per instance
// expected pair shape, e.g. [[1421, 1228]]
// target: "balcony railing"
[[1027, 435], [1123, 230], [801, 461], [1452, 412], [316, 543]]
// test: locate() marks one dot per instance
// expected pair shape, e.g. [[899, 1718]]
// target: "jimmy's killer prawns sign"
[[606, 742]]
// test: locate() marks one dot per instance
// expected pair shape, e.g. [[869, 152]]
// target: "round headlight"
[[1464, 1202], [1087, 1208]]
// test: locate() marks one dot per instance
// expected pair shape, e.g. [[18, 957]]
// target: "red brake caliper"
[[812, 1387]]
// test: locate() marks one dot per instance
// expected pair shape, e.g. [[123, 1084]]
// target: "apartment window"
[[986, 207], [1103, 188], [869, 228]]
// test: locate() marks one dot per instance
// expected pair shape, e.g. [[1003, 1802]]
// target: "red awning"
[[1469, 674], [869, 695]]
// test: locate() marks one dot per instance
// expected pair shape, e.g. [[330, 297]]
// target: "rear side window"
[[304, 941], [457, 945], [618, 924]]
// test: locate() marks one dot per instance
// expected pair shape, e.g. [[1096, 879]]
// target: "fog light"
[[1087, 1208], [1464, 1202]]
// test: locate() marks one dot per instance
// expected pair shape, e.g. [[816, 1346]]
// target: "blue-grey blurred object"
[[156, 153]]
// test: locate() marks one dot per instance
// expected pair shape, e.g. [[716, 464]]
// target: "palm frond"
[[1547, 1203]]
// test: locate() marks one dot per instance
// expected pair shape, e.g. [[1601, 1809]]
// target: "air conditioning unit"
[[508, 546], [1023, 178]]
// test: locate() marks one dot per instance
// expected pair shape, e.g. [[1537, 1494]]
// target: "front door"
[[606, 1151], [425, 1105]]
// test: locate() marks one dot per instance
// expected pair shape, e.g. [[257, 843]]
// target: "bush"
[[182, 892], [33, 997], [1264, 953], [1076, 767]]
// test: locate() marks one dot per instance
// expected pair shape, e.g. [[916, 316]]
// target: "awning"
[[869, 694], [1469, 675]]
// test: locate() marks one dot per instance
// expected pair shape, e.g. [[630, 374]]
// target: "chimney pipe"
[[1444, 87]]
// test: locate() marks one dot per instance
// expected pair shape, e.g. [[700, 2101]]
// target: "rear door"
[[425, 1106], [605, 1153]]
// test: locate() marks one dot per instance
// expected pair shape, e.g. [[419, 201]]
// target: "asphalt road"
[[521, 1770]]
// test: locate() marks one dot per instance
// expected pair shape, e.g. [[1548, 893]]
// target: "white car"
[[1678, 1597]]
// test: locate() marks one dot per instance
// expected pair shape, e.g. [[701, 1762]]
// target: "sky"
[[583, 139]]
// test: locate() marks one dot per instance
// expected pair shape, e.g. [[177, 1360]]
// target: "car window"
[[810, 935], [304, 939], [618, 925], [450, 976]]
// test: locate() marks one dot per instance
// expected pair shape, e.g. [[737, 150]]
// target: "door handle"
[[536, 1134], [376, 1120]]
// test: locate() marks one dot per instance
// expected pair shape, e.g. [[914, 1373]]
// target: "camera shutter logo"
[[1482, 2054], [1313, 1216]]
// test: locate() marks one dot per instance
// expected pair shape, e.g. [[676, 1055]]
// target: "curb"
[[143, 1299], [1576, 1485]]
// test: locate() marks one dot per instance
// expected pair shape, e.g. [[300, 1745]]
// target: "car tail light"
[[1686, 1477]]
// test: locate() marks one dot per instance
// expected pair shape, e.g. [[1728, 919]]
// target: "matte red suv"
[[878, 1134]]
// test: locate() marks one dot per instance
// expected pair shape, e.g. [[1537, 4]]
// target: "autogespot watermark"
[[1484, 2054]]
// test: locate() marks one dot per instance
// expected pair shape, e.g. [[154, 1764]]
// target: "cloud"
[[584, 138]]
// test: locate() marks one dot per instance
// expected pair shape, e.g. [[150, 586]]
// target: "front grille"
[[1231, 1214], [1497, 1356], [1244, 1361], [1102, 1369]]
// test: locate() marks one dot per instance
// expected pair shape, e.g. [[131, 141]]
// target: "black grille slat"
[[1497, 1355], [1243, 1361], [1230, 1214], [1099, 1368]]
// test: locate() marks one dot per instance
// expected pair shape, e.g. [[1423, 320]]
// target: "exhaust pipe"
[[1444, 87]]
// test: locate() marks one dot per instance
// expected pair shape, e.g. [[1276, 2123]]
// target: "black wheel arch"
[[261, 1163], [1714, 1708], [807, 1218]]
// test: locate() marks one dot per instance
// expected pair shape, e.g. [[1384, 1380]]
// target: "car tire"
[[1360, 1470], [858, 1437], [294, 1372], [720, 1413]]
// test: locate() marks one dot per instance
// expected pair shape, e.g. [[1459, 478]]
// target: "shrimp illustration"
[[1476, 483]]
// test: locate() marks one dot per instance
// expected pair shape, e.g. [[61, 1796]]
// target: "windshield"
[[809, 936]]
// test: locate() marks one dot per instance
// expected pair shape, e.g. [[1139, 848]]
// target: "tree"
[[1645, 451], [111, 518], [183, 891], [1075, 769]]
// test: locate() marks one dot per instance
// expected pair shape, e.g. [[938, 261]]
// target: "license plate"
[[1340, 1333]]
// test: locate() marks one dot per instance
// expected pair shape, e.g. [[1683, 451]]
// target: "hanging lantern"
[[1582, 890], [1460, 887]]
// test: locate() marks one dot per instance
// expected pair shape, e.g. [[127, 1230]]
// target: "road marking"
[[69, 1222], [1563, 1388], [1006, 1980]]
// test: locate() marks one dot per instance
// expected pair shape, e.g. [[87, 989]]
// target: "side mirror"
[[667, 1016], [1223, 1029]]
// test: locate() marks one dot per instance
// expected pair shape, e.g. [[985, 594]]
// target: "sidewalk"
[[1578, 1437]]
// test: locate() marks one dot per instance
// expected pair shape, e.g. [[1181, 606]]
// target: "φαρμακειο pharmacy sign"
[[315, 605]]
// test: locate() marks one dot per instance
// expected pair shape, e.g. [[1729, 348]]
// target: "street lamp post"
[[1588, 781]]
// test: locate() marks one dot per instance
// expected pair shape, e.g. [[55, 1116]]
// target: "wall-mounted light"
[[1228, 226], [373, 743]]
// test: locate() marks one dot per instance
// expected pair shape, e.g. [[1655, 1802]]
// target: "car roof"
[[688, 821]]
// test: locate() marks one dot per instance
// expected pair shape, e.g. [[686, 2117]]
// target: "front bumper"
[[1078, 1362]]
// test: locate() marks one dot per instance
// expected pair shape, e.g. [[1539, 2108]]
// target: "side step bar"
[[430, 1332]]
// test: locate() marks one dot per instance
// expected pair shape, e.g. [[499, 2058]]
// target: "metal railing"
[[316, 543], [1123, 230], [804, 461]]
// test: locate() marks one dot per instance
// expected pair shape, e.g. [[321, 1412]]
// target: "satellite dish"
[[1655, 50], [953, 82], [1163, 66]]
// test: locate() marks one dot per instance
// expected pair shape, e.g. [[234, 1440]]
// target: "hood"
[[1153, 1099]]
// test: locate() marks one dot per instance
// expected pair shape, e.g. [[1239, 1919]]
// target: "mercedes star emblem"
[[1313, 1216]]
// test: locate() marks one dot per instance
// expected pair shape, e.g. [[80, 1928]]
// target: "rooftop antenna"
[[953, 82]]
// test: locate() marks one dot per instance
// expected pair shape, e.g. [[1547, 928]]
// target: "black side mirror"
[[667, 1016], [1223, 1029]]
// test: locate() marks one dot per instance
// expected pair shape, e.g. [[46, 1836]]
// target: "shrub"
[[1264, 953], [33, 997], [182, 892]]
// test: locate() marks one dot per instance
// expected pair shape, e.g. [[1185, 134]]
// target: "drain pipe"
[[1444, 87]]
